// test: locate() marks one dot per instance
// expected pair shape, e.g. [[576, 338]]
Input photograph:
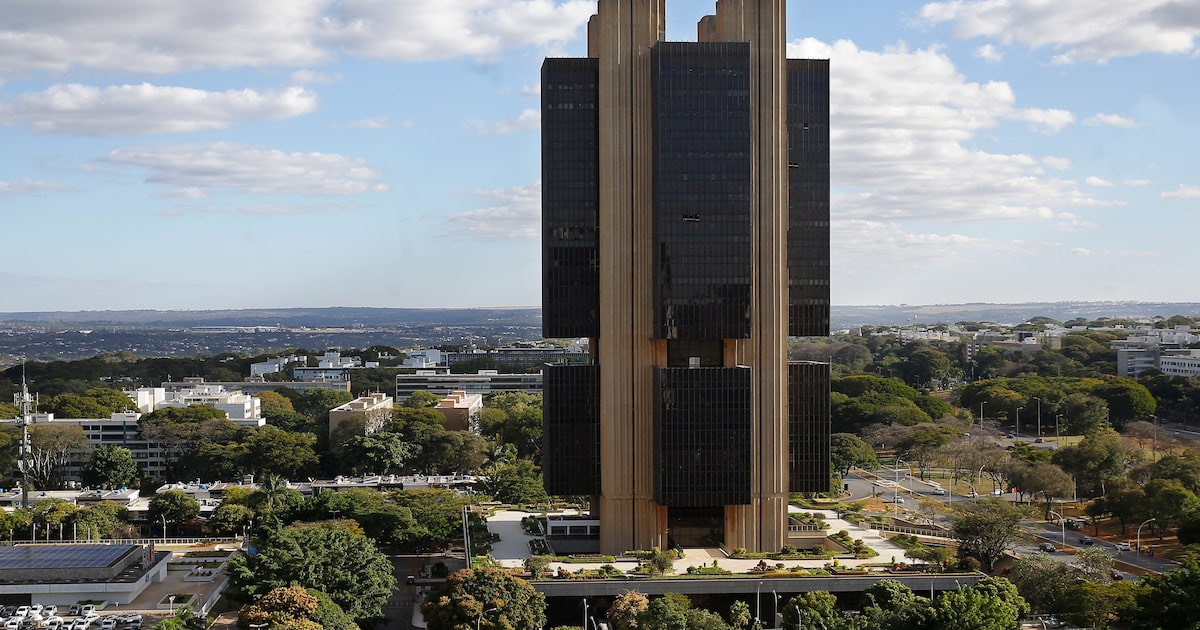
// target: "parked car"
[[87, 609], [81, 623], [1047, 547], [73, 610], [107, 622], [50, 610]]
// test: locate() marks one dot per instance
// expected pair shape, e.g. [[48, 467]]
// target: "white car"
[[50, 610], [53, 623], [107, 622], [1123, 546], [81, 623]]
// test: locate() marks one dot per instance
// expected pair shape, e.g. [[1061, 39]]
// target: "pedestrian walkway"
[[513, 547]]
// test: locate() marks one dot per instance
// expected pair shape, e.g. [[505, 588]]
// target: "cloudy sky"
[[276, 153]]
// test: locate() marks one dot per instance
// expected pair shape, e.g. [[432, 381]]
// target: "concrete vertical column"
[[763, 524], [627, 29]]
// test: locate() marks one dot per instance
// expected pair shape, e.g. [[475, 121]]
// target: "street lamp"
[[164, 521], [981, 404], [1019, 419], [1064, 528], [799, 619], [757, 603], [171, 604], [775, 617], [979, 480], [479, 621], [1139, 541], [1057, 432], [1039, 415]]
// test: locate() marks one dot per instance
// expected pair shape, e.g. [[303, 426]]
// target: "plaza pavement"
[[513, 547]]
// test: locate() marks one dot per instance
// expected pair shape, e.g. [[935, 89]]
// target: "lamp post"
[[1155, 451], [981, 414], [979, 480], [775, 610], [1039, 426], [1057, 432], [585, 615], [479, 621], [1064, 528], [164, 521], [799, 619], [171, 604], [1139, 541], [758, 603], [1019, 419]]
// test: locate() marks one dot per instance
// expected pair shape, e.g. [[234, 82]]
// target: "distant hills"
[[357, 317]]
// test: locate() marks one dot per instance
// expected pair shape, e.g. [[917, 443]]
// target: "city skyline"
[[269, 155]]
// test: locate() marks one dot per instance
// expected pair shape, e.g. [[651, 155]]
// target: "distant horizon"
[[538, 306]]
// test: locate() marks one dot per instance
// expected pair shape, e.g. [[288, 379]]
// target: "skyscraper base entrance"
[[695, 527]]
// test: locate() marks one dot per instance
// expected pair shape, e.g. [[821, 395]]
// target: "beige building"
[[376, 408], [461, 410]]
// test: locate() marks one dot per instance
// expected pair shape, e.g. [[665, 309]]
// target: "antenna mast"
[[25, 404]]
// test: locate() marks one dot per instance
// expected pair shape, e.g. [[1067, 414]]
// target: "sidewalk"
[[513, 547]]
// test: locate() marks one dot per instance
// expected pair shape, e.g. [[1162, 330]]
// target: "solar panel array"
[[61, 556]]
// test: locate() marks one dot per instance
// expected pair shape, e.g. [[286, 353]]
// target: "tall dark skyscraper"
[[685, 227]]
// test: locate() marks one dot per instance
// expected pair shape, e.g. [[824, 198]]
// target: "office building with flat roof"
[[685, 232]]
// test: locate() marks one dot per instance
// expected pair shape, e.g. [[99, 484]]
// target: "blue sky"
[[278, 153]]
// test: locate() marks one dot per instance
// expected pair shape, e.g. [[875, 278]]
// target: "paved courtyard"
[[513, 547]]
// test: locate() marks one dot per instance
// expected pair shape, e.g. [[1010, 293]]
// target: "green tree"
[[1168, 600], [519, 482], [106, 519], [976, 609], [176, 506], [271, 449], [739, 615], [111, 467], [382, 452], [626, 608], [1045, 479], [812, 610], [660, 561], [293, 607], [847, 450], [1098, 461], [890, 605], [52, 448], [1127, 400], [665, 613], [437, 511], [327, 557], [229, 519], [926, 367], [422, 398], [536, 564], [986, 529], [490, 597]]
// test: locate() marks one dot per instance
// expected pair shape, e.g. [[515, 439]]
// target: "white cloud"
[[125, 110], [1137, 182], [148, 36], [1109, 120], [312, 77], [1057, 163], [379, 122], [1183, 192], [512, 213], [903, 125], [158, 38], [1047, 120], [420, 30], [1083, 30], [988, 52], [1097, 182], [265, 210], [527, 120], [26, 186], [531, 90], [206, 167]]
